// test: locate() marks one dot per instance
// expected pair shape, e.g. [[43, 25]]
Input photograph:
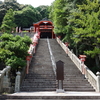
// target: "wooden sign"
[[60, 70]]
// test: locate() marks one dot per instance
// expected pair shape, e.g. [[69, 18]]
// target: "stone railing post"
[[17, 82], [6, 80], [98, 81], [1, 82]]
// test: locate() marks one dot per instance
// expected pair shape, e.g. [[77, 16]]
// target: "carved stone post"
[[6, 80], [98, 81], [17, 82]]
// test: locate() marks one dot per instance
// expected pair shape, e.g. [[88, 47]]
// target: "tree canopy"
[[13, 50], [25, 15], [78, 22], [8, 24]]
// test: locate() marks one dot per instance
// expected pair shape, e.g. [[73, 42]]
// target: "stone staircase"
[[41, 76], [73, 79], [40, 83]]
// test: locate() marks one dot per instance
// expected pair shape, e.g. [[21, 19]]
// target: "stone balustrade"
[[22, 34], [5, 80], [89, 75]]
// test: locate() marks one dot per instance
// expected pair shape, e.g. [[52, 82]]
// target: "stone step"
[[76, 80], [54, 87], [54, 82], [79, 89], [53, 99], [37, 86], [38, 89], [39, 77], [51, 96], [39, 80]]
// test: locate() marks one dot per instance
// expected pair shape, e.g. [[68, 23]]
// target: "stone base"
[[60, 90], [8, 90]]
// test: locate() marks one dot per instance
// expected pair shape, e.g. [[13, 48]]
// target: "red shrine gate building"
[[44, 28]]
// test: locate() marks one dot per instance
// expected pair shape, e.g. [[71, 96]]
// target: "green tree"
[[13, 50], [25, 17], [9, 4], [8, 24], [61, 13], [43, 10], [87, 30]]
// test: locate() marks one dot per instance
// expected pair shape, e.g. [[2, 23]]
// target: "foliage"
[[88, 27], [78, 22], [25, 15], [29, 15], [13, 50], [61, 13], [58, 17], [15, 62], [8, 22], [9, 4], [43, 10]]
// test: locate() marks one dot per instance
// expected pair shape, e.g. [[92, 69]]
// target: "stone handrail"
[[92, 78], [52, 57], [4, 80], [89, 75]]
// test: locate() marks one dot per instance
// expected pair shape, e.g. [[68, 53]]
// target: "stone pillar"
[[98, 81], [17, 82], [6, 80], [60, 87]]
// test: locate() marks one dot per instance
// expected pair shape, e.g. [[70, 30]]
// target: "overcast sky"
[[35, 3]]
